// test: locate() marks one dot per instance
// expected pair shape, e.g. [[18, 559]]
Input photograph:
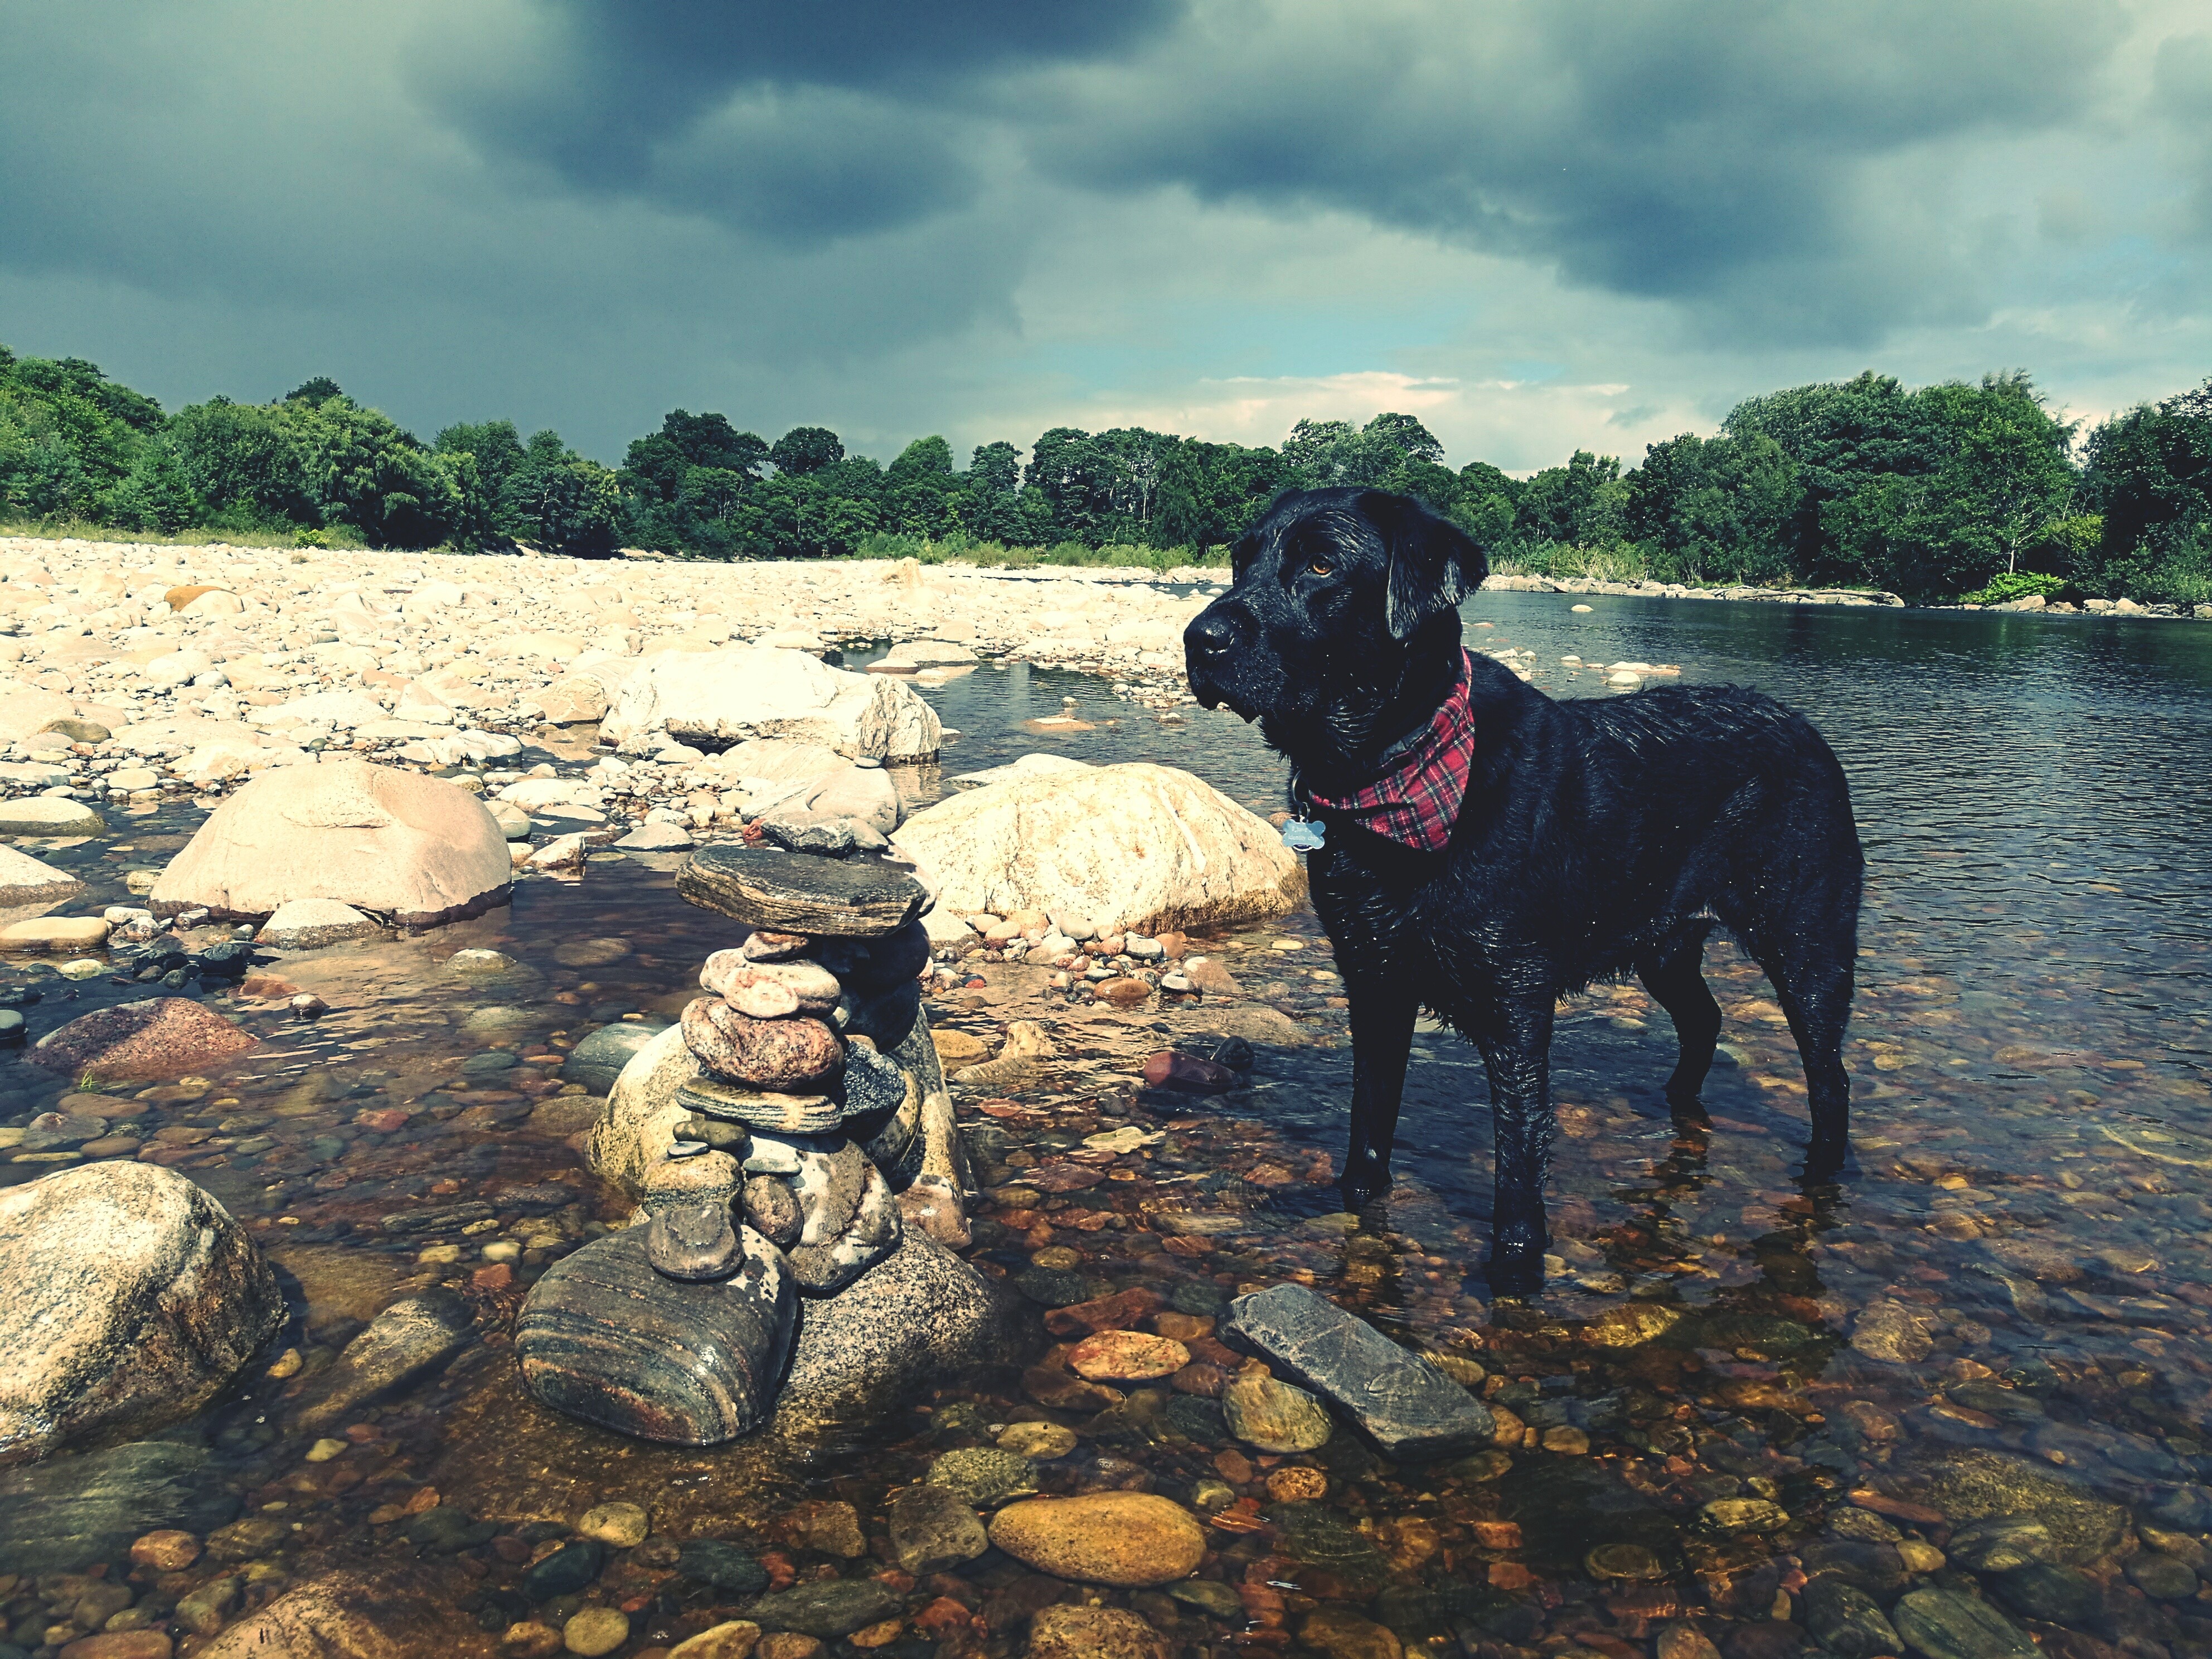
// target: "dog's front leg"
[[1517, 1052], [1382, 1032]]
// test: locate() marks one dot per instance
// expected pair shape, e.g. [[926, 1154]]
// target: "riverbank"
[[214, 662]]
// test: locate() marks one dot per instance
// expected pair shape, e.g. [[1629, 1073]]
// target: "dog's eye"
[[1320, 567]]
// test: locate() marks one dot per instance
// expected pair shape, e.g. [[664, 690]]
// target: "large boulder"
[[918, 1317], [25, 709], [397, 844], [1132, 845], [758, 691], [153, 1037], [133, 1296], [606, 1338], [28, 888], [638, 1123]]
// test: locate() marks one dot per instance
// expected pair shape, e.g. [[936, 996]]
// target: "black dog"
[[1593, 838]]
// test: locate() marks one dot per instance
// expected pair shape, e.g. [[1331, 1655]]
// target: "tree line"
[[1932, 492]]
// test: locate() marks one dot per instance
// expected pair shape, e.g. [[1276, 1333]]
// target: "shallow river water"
[[1999, 1314]]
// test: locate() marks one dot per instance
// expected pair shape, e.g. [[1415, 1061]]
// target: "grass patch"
[[343, 536], [996, 555]]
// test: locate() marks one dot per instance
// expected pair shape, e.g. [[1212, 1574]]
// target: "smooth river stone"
[[1127, 1356], [693, 1242], [772, 1209], [405, 1340], [793, 893], [774, 947], [1131, 1539], [604, 1338], [783, 1055], [1410, 1407], [813, 987]]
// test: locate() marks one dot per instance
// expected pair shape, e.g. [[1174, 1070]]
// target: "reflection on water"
[[1998, 1311]]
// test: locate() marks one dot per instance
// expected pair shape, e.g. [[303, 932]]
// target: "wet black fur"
[[1598, 837]]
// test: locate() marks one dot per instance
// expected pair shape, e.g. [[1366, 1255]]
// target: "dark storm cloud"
[[1537, 221], [1687, 150], [814, 120]]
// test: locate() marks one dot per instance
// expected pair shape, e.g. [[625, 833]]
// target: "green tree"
[[990, 494], [2147, 474], [243, 463], [922, 493], [361, 469], [1577, 504], [806, 449], [319, 390], [562, 502]]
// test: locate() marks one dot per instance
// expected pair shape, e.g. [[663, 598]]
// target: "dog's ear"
[[1434, 564]]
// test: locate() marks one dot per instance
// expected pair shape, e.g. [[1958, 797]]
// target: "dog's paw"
[[1825, 1157], [1515, 1272], [1362, 1184]]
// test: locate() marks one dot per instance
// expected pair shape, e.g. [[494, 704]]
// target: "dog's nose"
[[1214, 634]]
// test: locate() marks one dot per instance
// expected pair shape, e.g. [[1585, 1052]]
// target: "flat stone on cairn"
[[794, 893], [761, 1109]]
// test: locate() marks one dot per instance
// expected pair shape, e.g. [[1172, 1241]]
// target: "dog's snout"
[[1214, 634]]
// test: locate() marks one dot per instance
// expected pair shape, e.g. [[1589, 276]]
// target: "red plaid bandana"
[[1416, 802]]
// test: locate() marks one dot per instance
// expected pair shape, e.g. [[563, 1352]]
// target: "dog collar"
[[1415, 801]]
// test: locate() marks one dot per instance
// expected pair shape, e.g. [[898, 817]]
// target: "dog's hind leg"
[[1810, 951], [1815, 990], [1517, 1052], [1381, 1034], [1673, 975]]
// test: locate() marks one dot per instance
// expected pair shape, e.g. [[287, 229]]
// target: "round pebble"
[[1127, 1356], [325, 1449], [596, 1631], [620, 1525], [1296, 1484], [1056, 1255], [1627, 1561], [591, 952], [982, 1475], [1037, 1440]]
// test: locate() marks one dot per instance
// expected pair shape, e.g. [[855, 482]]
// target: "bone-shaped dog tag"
[[1304, 835]]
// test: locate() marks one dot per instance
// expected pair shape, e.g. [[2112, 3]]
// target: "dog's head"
[[1344, 609]]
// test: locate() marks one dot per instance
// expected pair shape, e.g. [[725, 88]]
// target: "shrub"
[[2010, 585]]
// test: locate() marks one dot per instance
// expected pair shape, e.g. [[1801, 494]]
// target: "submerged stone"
[[1274, 1417], [980, 1475], [724, 1566], [1847, 1621], [828, 1609], [934, 1527], [401, 1343], [1976, 1484], [1127, 1538], [1940, 1624], [1408, 1407]]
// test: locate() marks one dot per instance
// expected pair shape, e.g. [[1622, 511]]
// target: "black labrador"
[[1594, 838]]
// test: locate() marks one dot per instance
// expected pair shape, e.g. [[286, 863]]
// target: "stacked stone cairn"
[[818, 1124]]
